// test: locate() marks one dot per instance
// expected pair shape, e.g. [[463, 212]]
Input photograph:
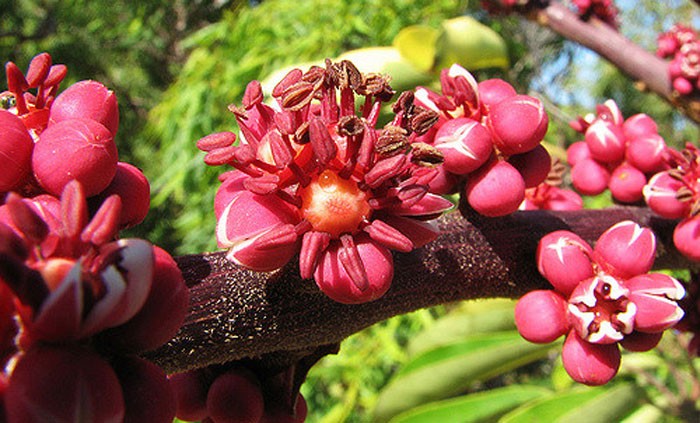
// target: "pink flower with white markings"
[[602, 296], [312, 177], [675, 194]]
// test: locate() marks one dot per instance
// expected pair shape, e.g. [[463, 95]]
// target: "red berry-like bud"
[[465, 145], [518, 124], [564, 259], [589, 177], [15, 150], [628, 248], [148, 396], [541, 316], [87, 100], [79, 149], [496, 189], [68, 384], [235, 397], [626, 183], [132, 187], [190, 390], [645, 152], [660, 196], [493, 91], [534, 165], [605, 141], [590, 364], [682, 85], [639, 125], [577, 152], [686, 237]]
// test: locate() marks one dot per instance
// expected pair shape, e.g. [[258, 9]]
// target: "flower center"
[[602, 312], [334, 205]]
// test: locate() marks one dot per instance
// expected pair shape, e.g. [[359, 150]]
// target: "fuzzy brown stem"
[[238, 314]]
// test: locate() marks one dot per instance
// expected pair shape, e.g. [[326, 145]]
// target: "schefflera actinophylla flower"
[[602, 297], [313, 177]]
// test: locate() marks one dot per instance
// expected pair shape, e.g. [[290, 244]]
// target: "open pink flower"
[[602, 296], [312, 177]]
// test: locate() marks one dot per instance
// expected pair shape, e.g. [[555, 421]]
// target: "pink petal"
[[590, 364], [655, 296], [627, 249], [60, 315], [541, 316]]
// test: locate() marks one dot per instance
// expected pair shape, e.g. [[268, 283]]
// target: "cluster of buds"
[[675, 194], [311, 176], [549, 195], [77, 303], [604, 10], [229, 394], [682, 46], [489, 136], [602, 297], [54, 138], [617, 154]]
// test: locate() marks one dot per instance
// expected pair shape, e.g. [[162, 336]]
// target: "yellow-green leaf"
[[416, 44], [473, 45]]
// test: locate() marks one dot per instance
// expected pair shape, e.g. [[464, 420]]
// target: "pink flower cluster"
[[682, 46], [675, 194], [602, 297], [312, 177], [77, 304], [617, 154], [54, 138], [225, 394], [489, 136], [604, 10]]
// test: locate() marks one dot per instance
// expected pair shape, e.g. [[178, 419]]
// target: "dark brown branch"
[[644, 67], [237, 314]]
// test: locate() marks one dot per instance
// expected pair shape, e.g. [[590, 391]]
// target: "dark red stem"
[[237, 314]]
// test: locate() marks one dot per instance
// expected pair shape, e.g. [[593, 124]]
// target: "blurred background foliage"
[[176, 65]]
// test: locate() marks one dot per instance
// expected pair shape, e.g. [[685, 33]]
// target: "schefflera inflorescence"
[[77, 304], [314, 175], [602, 297]]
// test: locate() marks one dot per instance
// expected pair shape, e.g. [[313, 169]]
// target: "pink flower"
[[314, 178], [602, 296]]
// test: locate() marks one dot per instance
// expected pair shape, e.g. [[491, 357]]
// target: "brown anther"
[[555, 177], [423, 120], [684, 194], [298, 96], [350, 126], [695, 209], [316, 76], [391, 142], [424, 154], [378, 86], [677, 174], [404, 103], [344, 74]]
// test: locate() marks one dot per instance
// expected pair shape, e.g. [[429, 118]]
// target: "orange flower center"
[[334, 205]]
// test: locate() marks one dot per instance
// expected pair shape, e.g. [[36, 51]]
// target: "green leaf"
[[473, 45], [602, 404], [416, 44], [472, 317], [448, 370], [473, 407]]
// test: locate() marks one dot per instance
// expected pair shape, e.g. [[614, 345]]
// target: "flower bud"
[[626, 183], [80, 149], [465, 144], [87, 100], [496, 189], [627, 248], [541, 316], [589, 177], [590, 364], [518, 124], [686, 237], [606, 141], [645, 152], [15, 150]]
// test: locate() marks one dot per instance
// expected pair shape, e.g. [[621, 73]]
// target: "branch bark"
[[237, 314], [650, 71]]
